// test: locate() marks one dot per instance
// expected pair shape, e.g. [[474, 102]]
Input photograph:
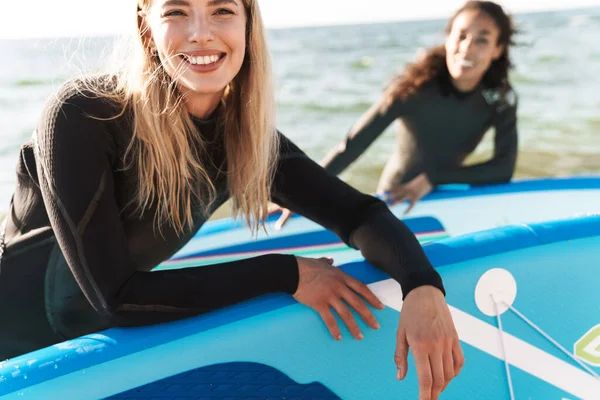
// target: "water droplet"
[[24, 376], [55, 366]]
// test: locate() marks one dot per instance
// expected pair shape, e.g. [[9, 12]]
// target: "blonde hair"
[[171, 173]]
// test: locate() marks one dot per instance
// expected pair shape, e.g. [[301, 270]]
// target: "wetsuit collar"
[[448, 88], [210, 120]]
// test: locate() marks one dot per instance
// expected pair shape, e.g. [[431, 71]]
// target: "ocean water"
[[328, 76]]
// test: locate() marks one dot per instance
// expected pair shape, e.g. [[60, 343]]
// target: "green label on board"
[[588, 347]]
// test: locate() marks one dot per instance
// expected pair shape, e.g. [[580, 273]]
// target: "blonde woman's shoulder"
[[89, 93]]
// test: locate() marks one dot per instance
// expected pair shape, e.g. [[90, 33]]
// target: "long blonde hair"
[[171, 174]]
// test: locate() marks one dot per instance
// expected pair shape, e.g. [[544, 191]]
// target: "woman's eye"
[[174, 13], [224, 11]]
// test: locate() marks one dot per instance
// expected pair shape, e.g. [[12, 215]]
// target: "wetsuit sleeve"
[[361, 221], [372, 124], [76, 158], [423, 161], [501, 167]]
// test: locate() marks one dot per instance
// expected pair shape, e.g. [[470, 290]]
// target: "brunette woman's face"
[[471, 47]]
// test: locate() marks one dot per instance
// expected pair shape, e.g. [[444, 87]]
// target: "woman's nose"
[[200, 30], [465, 45]]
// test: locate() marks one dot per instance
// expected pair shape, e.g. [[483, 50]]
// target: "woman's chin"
[[203, 88], [467, 76]]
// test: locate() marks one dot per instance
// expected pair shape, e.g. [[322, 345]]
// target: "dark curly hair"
[[433, 63]]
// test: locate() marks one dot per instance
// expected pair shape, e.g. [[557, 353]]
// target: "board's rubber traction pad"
[[230, 381]]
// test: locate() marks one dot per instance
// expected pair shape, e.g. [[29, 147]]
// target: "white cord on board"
[[504, 352]]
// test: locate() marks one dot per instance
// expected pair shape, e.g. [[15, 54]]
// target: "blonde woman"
[[125, 168]]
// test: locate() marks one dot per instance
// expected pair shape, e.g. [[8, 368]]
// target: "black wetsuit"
[[438, 128], [76, 261]]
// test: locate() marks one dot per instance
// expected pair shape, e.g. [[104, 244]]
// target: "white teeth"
[[466, 63], [202, 60]]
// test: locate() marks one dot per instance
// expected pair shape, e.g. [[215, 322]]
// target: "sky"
[[59, 18]]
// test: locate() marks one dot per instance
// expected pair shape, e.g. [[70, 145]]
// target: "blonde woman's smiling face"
[[201, 43]]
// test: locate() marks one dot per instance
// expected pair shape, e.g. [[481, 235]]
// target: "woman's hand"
[[285, 215], [323, 287], [426, 326], [413, 190], [427, 329]]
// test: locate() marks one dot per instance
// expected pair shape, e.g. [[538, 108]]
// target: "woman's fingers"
[[458, 357], [361, 308], [424, 374], [437, 373], [401, 355], [330, 323], [273, 208], [413, 201], [448, 361], [348, 318], [432, 337], [323, 287], [364, 291], [285, 215], [399, 195]]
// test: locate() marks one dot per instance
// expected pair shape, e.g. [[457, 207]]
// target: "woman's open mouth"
[[204, 62], [464, 62]]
